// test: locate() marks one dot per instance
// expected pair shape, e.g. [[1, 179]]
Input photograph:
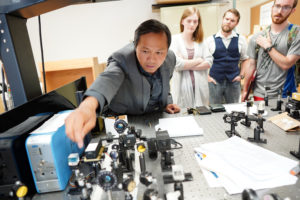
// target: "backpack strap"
[[290, 83], [293, 31]]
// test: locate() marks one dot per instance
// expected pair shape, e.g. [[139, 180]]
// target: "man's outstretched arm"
[[81, 121]]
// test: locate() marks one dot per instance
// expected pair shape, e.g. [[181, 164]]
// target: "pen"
[[200, 155], [295, 170], [215, 174]]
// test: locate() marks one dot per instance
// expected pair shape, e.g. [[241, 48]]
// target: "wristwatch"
[[242, 76], [268, 49]]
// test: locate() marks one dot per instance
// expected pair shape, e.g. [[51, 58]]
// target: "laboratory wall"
[[88, 30], [98, 29]]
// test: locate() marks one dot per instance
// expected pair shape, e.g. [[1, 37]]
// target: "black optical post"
[[266, 97], [247, 122], [279, 102], [232, 119], [295, 153]]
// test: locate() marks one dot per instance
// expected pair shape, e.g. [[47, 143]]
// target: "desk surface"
[[214, 128]]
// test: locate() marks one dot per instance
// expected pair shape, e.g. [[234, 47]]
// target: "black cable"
[[3, 89], [42, 55], [176, 143]]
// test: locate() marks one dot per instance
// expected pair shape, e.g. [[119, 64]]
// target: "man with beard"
[[270, 53], [227, 49]]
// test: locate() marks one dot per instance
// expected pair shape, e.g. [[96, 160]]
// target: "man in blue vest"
[[227, 49]]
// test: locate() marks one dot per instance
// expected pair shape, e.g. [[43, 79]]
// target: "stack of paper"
[[236, 164], [180, 126]]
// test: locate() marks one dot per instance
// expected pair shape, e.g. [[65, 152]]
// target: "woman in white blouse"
[[189, 86]]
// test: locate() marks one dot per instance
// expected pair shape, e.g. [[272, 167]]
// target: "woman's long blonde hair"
[[198, 34]]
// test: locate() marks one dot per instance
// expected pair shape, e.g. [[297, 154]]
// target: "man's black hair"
[[151, 26]]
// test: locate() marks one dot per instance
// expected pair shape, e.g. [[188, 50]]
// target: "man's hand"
[[264, 42], [210, 79], [172, 108], [82, 120], [237, 78], [250, 74]]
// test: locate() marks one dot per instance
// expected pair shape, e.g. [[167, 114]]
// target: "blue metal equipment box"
[[48, 149]]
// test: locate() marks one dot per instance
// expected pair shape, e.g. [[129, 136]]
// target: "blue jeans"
[[224, 92]]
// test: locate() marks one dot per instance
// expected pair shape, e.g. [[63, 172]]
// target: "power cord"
[[42, 54], [175, 143]]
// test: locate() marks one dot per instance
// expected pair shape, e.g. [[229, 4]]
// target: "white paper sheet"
[[240, 164], [180, 126]]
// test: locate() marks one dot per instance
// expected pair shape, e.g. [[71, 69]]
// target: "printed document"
[[237, 164]]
